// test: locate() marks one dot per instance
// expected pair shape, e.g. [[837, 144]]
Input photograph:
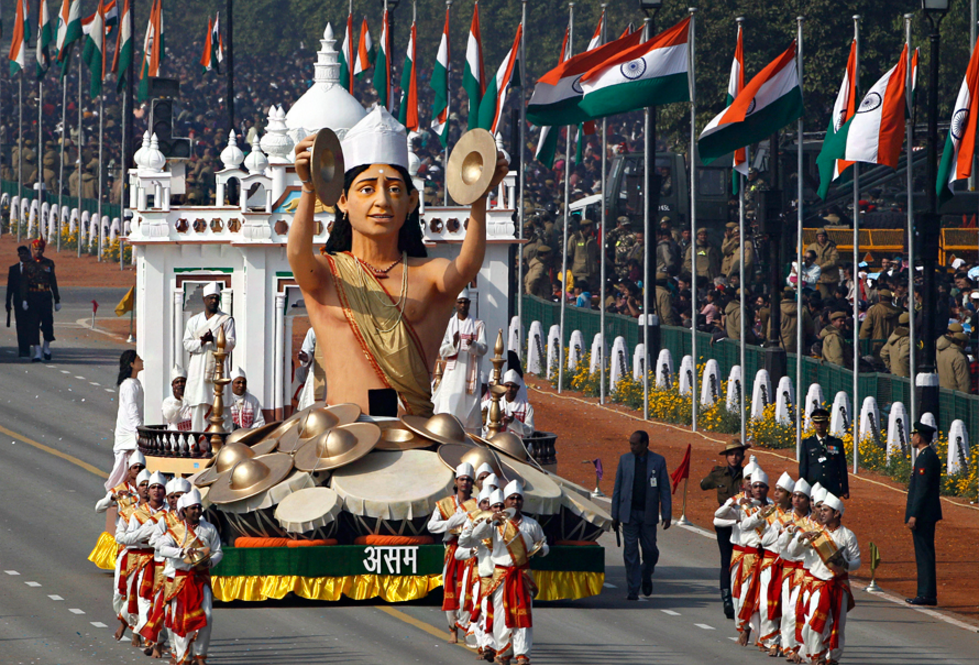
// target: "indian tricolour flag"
[[69, 27], [382, 66], [649, 74], [347, 56], [18, 43], [876, 131], [365, 51], [473, 75], [408, 109], [734, 87], [440, 84], [596, 38], [547, 144], [93, 53], [960, 146], [110, 18], [769, 102], [558, 92], [491, 106], [207, 57], [45, 35], [834, 145], [124, 48]]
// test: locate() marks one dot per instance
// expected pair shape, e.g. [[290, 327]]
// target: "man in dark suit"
[[641, 496], [823, 458], [13, 301], [923, 511]]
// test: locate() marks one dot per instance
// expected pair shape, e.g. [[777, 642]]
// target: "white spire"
[[232, 156], [327, 60], [141, 152], [256, 162], [153, 159], [276, 142]]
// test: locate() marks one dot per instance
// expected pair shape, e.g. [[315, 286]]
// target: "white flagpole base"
[[683, 521], [872, 587], [597, 493]]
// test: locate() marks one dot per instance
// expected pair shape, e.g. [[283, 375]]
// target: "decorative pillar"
[[178, 328], [280, 305]]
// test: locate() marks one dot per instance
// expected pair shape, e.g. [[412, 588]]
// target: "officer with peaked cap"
[[823, 457], [726, 479], [923, 511]]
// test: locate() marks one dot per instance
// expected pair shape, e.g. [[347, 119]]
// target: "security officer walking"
[[39, 293], [924, 509], [726, 480], [823, 458]]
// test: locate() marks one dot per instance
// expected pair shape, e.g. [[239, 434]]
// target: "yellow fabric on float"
[[391, 588], [567, 584], [104, 554]]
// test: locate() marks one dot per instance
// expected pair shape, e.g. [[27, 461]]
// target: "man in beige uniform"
[[828, 260]]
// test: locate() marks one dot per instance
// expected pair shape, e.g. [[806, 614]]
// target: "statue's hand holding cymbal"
[[303, 156]]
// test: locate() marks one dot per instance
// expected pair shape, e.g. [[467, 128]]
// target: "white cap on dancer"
[[177, 372], [465, 470], [785, 482], [491, 481], [833, 502], [513, 487], [485, 493], [802, 487], [496, 497], [759, 477], [484, 468], [137, 458], [143, 477], [191, 498], [158, 479]]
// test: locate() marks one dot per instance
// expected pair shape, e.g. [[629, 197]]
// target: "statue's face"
[[378, 201]]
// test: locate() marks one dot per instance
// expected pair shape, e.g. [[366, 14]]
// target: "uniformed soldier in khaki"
[[583, 253], [834, 346], [708, 258], [732, 317], [880, 322], [731, 252], [537, 281], [664, 301], [953, 364], [828, 260], [622, 239], [896, 353], [790, 322]]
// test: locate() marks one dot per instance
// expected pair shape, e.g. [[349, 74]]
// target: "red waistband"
[[770, 553], [791, 564], [143, 551]]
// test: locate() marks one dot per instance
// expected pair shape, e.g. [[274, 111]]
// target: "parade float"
[[325, 502]]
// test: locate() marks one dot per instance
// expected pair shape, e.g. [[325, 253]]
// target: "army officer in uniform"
[[823, 458], [727, 481]]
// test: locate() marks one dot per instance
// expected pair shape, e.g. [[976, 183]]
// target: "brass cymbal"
[[326, 167], [471, 166]]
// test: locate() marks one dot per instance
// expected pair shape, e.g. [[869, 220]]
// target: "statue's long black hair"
[[410, 237], [126, 361]]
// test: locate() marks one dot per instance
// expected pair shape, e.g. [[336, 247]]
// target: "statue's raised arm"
[[378, 304]]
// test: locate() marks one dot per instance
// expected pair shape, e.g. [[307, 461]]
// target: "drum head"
[[542, 496], [393, 485], [308, 509]]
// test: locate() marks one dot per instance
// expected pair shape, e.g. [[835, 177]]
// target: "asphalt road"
[[54, 604]]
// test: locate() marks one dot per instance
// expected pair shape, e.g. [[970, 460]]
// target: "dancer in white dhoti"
[[200, 337], [191, 600], [463, 348], [176, 411], [481, 574]]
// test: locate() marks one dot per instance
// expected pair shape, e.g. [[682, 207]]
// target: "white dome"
[[326, 103], [141, 152], [232, 156], [154, 160], [256, 162]]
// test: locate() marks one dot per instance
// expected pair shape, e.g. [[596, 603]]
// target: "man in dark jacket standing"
[[13, 301], [923, 511], [823, 458], [641, 496], [727, 481]]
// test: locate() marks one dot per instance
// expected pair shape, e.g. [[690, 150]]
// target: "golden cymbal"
[[326, 167], [471, 166]]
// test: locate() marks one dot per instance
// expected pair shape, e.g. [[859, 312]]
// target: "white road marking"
[[98, 624], [671, 613], [11, 572], [75, 610], [733, 639], [80, 378], [609, 586], [704, 626], [109, 390], [697, 529], [54, 596], [64, 371], [33, 584], [93, 383]]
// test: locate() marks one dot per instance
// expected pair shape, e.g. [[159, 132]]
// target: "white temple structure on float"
[[242, 244]]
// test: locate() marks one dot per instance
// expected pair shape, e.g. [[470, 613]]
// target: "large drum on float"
[[255, 516], [582, 520], [309, 514], [391, 493]]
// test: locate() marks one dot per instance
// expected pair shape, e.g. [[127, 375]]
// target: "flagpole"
[[20, 151], [61, 166], [78, 167], [521, 213], [602, 253], [909, 131], [799, 219], [99, 188], [742, 328], [230, 62], [648, 166], [567, 220], [40, 164], [855, 408], [123, 180], [693, 221], [448, 121]]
